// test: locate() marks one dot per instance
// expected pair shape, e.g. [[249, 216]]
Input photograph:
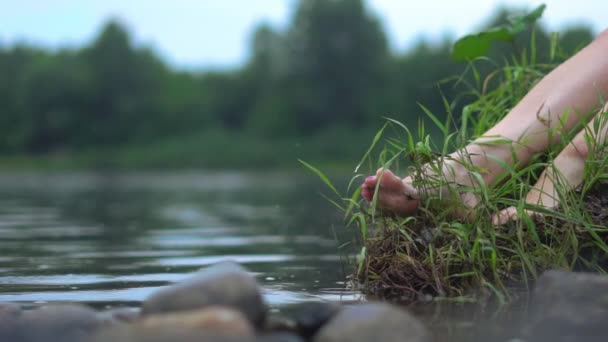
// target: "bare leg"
[[560, 100], [566, 171]]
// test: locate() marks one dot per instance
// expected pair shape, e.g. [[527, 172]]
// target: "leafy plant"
[[477, 45], [447, 251]]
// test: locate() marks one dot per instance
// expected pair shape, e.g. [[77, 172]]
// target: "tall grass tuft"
[[438, 254]]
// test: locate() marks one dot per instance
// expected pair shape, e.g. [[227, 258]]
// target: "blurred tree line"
[[324, 83]]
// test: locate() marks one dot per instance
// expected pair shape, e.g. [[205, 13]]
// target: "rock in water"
[[373, 322], [9, 311], [65, 323], [215, 320], [280, 337], [569, 306], [276, 323], [310, 317], [118, 315], [9, 321], [224, 284], [139, 333]]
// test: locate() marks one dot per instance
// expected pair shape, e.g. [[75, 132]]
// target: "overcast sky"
[[215, 33]]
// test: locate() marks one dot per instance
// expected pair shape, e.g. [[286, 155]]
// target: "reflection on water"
[[112, 239], [108, 240]]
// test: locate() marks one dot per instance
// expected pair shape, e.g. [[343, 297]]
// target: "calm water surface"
[[107, 240], [112, 239]]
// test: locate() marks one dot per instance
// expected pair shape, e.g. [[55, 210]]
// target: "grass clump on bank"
[[435, 253]]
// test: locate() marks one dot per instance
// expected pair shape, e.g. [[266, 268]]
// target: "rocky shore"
[[224, 303]]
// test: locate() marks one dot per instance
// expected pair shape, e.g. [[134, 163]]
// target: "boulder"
[[9, 311], [65, 323], [9, 319], [280, 337], [373, 322], [118, 315], [310, 317], [280, 323], [141, 333], [215, 320], [224, 284], [569, 306]]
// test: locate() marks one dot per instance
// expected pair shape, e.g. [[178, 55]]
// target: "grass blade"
[[321, 175]]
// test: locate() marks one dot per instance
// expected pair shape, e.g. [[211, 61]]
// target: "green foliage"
[[335, 71], [448, 251], [477, 45], [314, 86]]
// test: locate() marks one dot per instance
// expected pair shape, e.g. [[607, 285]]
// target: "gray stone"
[[9, 311], [64, 323], [9, 318], [224, 284], [373, 322], [276, 323], [310, 317], [118, 315], [280, 337], [569, 306], [140, 333], [216, 320]]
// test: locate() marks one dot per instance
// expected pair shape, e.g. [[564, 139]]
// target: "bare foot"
[[565, 173], [394, 194], [447, 179], [401, 197]]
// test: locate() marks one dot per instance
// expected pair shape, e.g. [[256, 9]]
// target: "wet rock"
[[220, 321], [280, 323], [140, 333], [9, 316], [310, 317], [9, 311], [65, 323], [373, 322], [224, 284], [569, 306], [280, 337], [303, 320], [118, 315]]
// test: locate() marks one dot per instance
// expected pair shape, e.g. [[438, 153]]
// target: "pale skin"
[[560, 102]]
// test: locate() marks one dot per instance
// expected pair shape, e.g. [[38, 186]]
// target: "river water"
[[112, 239], [108, 240]]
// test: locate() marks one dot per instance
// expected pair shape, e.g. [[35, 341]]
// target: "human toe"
[[368, 187], [366, 192], [504, 216]]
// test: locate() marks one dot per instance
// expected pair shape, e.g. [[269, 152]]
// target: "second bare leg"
[[567, 169], [572, 89]]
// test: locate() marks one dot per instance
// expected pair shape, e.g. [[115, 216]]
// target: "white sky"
[[215, 33]]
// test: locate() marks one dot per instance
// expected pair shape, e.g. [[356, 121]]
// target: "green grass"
[[436, 253]]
